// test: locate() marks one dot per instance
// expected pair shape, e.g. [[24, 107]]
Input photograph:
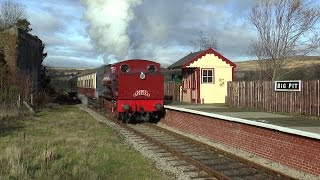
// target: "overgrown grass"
[[67, 144]]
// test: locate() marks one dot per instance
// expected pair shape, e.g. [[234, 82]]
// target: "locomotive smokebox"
[[136, 87]]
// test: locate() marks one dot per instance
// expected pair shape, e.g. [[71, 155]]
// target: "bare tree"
[[10, 12], [285, 28], [204, 41]]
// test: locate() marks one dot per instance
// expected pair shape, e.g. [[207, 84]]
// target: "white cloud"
[[71, 61]]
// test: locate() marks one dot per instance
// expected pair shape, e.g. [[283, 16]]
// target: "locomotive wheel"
[[125, 118], [145, 117]]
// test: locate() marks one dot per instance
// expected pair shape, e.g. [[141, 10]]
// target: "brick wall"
[[292, 150]]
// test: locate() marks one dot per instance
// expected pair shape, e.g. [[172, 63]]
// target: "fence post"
[[19, 103], [318, 102]]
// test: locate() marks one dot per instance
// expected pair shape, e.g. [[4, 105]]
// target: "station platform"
[[299, 125]]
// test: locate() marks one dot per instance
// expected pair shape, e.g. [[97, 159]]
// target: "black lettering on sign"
[[287, 85]]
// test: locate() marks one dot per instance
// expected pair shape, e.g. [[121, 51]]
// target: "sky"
[[89, 33]]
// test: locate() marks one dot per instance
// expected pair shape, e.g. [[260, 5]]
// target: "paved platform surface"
[[294, 122]]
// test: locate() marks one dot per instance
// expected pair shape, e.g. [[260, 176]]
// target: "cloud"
[[45, 23], [163, 30], [71, 61], [83, 33], [62, 30], [174, 24]]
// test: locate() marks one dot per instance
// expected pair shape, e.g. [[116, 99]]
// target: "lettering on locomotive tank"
[[141, 93], [288, 85]]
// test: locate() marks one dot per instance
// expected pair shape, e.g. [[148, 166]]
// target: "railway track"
[[205, 162], [197, 160]]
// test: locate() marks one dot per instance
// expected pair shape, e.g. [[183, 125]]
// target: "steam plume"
[[108, 23]]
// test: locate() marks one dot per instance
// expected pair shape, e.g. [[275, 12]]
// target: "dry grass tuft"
[[8, 110], [48, 155], [13, 157]]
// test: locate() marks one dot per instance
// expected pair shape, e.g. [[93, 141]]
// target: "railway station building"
[[204, 76]]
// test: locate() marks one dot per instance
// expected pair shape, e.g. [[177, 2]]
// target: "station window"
[[207, 76], [124, 68], [152, 68]]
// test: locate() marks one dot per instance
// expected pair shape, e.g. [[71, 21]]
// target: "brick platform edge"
[[288, 149]]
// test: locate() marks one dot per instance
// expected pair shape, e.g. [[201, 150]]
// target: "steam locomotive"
[[132, 89]]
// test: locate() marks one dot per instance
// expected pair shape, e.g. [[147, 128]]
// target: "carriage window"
[[124, 68], [152, 68]]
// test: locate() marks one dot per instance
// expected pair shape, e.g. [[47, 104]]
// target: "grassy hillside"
[[296, 62]]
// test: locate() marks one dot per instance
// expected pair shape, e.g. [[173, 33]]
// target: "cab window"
[[152, 68], [124, 68]]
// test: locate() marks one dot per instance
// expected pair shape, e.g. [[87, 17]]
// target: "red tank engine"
[[134, 89]]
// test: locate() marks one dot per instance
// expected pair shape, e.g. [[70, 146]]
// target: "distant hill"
[[299, 67], [58, 72], [294, 62], [60, 76]]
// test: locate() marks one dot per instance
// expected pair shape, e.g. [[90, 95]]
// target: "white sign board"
[[287, 85]]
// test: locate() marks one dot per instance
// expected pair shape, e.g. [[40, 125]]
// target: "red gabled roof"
[[192, 57], [209, 51]]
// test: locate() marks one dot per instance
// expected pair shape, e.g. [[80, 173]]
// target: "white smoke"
[[108, 24]]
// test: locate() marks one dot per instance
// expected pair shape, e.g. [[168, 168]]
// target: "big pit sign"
[[287, 85]]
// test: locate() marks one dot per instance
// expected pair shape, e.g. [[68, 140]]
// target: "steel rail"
[[197, 164], [237, 158]]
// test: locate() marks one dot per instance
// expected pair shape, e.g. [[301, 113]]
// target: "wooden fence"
[[261, 95], [172, 91]]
